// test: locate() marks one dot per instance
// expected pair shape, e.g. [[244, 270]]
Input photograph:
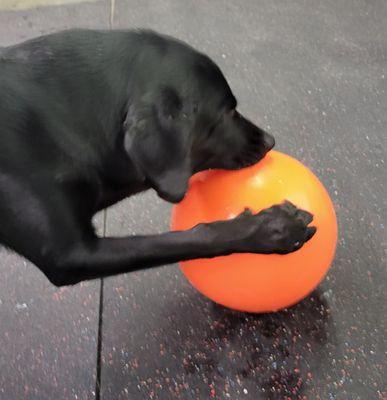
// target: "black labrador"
[[88, 118]]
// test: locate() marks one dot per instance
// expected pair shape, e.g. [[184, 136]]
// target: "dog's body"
[[88, 118]]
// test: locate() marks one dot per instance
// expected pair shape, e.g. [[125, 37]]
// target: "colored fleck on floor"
[[313, 73]]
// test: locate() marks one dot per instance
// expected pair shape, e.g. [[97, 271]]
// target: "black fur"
[[88, 118]]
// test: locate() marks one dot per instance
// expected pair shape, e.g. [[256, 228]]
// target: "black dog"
[[88, 118]]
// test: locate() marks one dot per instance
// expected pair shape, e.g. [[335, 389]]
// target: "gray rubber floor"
[[311, 72]]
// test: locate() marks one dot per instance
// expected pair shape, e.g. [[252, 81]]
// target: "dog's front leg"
[[279, 229]]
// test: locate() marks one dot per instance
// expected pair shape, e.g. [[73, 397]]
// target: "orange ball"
[[259, 282]]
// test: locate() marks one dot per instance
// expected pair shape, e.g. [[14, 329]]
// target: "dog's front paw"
[[287, 228], [279, 229]]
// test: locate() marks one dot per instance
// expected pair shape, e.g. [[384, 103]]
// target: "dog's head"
[[182, 119]]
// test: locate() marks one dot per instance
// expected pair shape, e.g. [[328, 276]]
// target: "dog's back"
[[57, 103]]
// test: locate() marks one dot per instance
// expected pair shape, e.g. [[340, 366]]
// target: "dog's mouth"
[[249, 161], [241, 161], [249, 158], [257, 148], [254, 152]]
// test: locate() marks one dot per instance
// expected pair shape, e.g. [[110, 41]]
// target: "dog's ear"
[[157, 142]]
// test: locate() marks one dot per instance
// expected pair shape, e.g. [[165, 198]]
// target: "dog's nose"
[[269, 141]]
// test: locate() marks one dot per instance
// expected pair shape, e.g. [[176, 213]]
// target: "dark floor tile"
[[313, 74], [48, 336]]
